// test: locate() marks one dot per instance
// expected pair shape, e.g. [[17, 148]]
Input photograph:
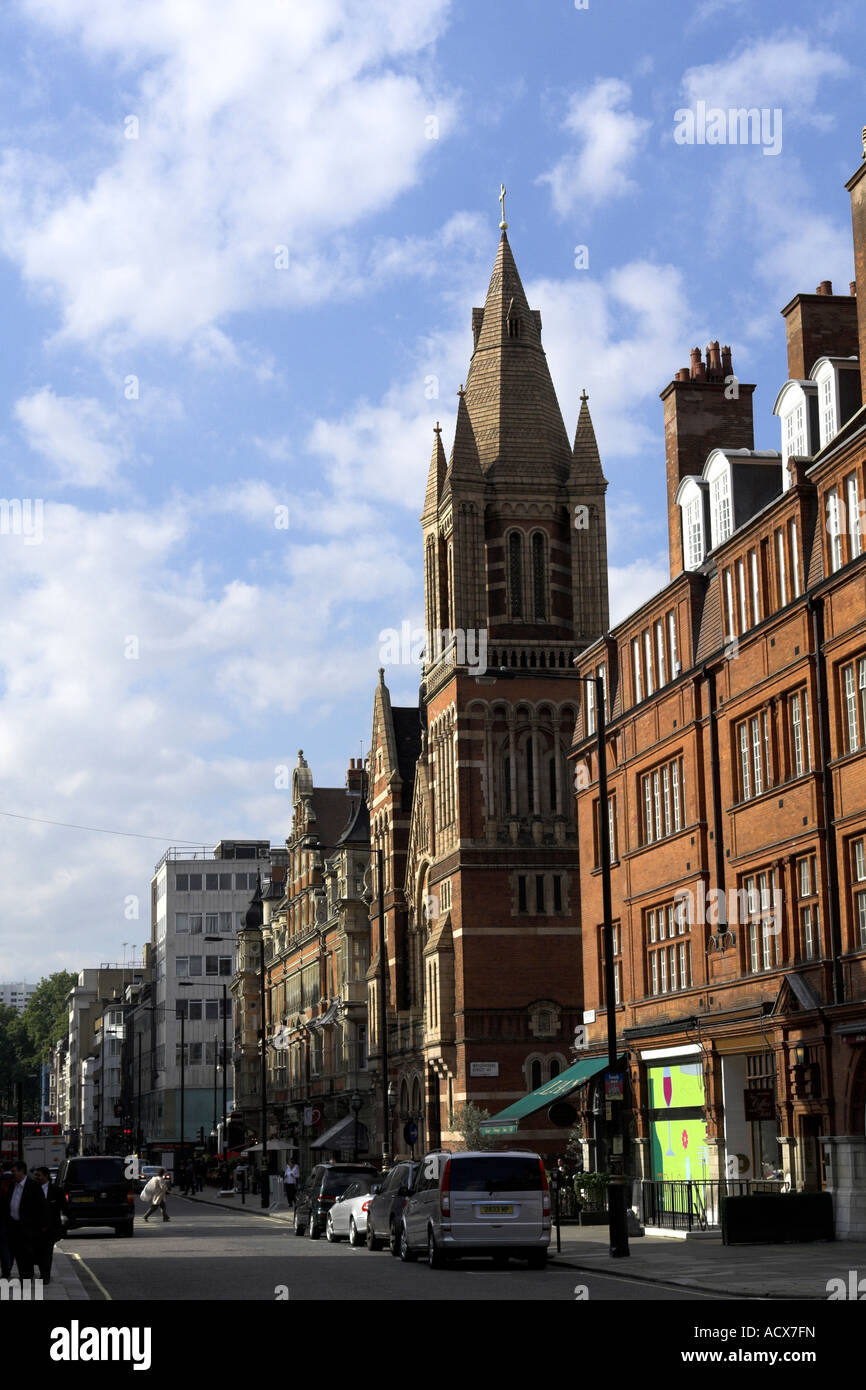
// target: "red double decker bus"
[[43, 1143]]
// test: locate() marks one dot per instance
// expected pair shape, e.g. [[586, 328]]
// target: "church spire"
[[435, 475], [465, 466], [512, 406], [587, 462]]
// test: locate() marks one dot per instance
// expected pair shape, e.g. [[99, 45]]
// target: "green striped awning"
[[506, 1121]]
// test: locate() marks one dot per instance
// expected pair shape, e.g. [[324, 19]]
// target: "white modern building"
[[16, 994], [198, 898]]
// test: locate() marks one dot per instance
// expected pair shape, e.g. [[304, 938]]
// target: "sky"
[[239, 249]]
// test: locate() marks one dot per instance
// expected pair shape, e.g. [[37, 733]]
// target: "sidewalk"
[[744, 1271]]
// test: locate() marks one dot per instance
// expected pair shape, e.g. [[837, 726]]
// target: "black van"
[[96, 1192]]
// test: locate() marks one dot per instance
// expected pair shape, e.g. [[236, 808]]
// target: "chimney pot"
[[825, 287], [683, 374], [852, 288]]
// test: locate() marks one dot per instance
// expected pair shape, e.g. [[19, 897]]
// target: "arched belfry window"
[[515, 573], [539, 577]]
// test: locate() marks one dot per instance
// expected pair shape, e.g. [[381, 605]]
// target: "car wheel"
[[500, 1261], [297, 1226], [394, 1240], [354, 1238], [330, 1233], [126, 1228], [406, 1255], [371, 1241], [436, 1258], [313, 1228], [537, 1259]]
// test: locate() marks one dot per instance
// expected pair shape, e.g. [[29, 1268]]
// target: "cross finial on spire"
[[437, 428], [503, 225], [460, 392], [584, 396]]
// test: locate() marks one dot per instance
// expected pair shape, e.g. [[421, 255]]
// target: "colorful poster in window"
[[678, 1129]]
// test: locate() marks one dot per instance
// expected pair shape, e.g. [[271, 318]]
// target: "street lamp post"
[[253, 922], [383, 1011], [616, 1203], [356, 1104]]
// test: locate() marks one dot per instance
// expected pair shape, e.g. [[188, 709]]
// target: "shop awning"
[[342, 1136], [507, 1120]]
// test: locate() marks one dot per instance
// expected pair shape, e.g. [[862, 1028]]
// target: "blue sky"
[[169, 383]]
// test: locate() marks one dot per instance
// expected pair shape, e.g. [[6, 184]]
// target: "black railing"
[[677, 1205]]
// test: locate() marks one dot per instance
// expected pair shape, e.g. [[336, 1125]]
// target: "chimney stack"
[[356, 777], [701, 414], [822, 324]]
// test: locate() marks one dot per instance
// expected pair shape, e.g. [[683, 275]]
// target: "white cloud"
[[85, 443], [259, 126], [631, 585], [785, 71], [608, 136]]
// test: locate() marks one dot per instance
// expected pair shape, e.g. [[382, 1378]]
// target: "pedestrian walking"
[[200, 1171], [27, 1214], [54, 1226], [5, 1191], [290, 1181], [154, 1192]]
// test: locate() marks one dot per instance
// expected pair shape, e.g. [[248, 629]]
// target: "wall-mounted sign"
[[760, 1104], [589, 1015], [483, 1068]]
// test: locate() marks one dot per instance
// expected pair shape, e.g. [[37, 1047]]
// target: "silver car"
[[465, 1204]]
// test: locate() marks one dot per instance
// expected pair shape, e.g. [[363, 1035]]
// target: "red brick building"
[[469, 796], [737, 783]]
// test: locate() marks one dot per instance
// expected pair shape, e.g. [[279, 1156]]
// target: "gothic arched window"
[[530, 774], [515, 573], [539, 578], [535, 1075]]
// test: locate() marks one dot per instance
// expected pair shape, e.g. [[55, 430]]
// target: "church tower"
[[486, 981]]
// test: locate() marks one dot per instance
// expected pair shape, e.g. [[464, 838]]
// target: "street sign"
[[613, 1086], [508, 1127], [483, 1068], [410, 1133]]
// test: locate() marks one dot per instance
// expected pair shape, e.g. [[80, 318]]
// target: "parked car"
[[347, 1218], [325, 1184], [96, 1192], [386, 1208], [465, 1204]]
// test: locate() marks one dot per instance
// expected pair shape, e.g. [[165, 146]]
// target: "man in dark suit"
[[26, 1211], [54, 1228], [5, 1191]]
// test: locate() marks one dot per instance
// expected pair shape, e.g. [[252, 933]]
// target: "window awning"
[[342, 1136], [507, 1120]]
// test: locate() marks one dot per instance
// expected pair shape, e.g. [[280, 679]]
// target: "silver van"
[[465, 1204]]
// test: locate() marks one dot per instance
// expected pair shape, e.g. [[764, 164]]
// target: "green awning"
[[506, 1121]]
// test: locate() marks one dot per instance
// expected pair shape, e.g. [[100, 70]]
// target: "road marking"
[[102, 1289]]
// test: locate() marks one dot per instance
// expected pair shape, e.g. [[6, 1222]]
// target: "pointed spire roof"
[[465, 466], [436, 475], [510, 400], [587, 463]]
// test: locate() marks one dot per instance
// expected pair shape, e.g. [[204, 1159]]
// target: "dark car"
[[317, 1195], [96, 1192], [386, 1208]]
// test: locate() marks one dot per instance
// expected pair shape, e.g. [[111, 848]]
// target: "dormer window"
[[720, 495], [691, 499], [799, 410], [838, 383]]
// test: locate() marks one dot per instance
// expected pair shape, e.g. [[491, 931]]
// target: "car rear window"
[[338, 1182], [493, 1174], [95, 1172]]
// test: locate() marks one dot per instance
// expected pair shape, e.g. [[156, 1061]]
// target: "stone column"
[[845, 1159]]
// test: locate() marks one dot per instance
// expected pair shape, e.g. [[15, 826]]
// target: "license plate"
[[500, 1210], [76, 1200]]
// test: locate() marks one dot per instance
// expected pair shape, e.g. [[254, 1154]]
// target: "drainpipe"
[[822, 721], [715, 777]]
